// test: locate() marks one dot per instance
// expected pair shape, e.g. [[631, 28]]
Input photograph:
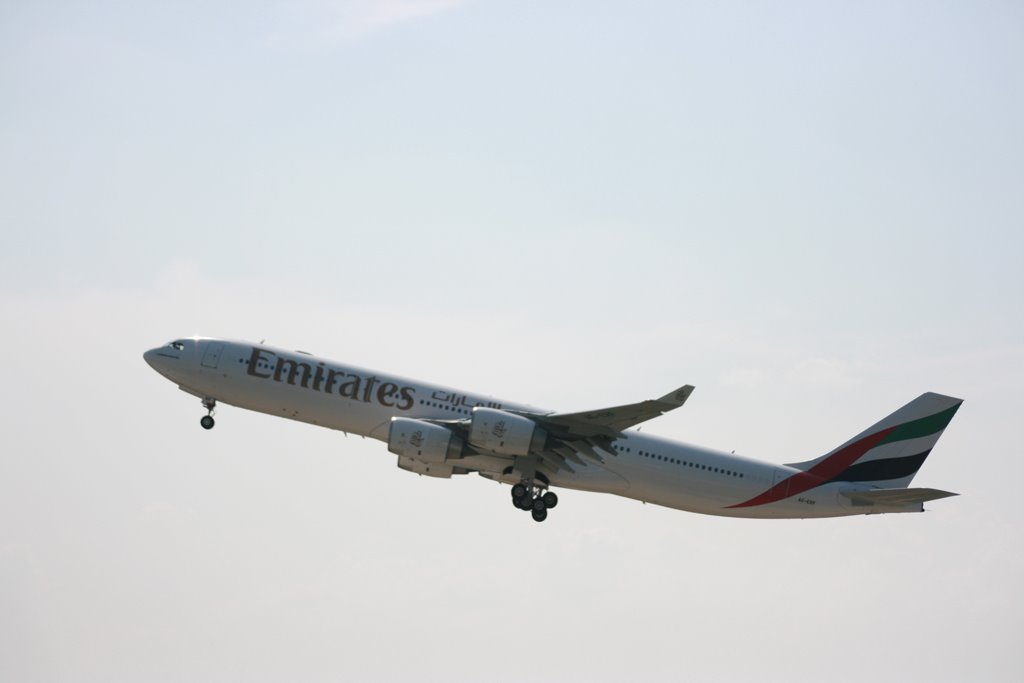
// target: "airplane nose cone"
[[157, 359], [167, 360]]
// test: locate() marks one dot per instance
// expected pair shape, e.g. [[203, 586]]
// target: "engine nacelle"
[[423, 441], [425, 468], [505, 433]]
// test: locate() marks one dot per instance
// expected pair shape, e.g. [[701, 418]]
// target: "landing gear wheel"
[[207, 420], [534, 498]]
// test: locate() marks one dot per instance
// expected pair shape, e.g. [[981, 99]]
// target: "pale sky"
[[812, 211]]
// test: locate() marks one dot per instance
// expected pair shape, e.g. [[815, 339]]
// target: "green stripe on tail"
[[926, 426]]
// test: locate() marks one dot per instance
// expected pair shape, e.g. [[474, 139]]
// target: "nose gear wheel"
[[207, 420]]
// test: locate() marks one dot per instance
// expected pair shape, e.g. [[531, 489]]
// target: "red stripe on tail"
[[819, 474]]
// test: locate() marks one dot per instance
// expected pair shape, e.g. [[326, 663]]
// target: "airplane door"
[[212, 355]]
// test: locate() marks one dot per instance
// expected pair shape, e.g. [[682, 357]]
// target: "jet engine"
[[423, 441], [425, 468], [505, 433]]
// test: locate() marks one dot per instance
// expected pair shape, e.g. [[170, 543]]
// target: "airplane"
[[437, 431]]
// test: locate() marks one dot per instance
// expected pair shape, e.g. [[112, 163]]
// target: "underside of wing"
[[567, 453]]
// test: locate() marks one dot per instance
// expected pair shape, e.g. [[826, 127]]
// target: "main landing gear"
[[207, 420], [527, 496]]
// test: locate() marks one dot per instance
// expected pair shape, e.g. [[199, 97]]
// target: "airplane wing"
[[576, 438], [608, 422], [581, 437]]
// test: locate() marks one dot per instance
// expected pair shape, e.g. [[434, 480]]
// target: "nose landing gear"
[[207, 421], [528, 496]]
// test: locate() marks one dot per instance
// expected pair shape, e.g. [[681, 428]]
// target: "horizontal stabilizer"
[[895, 496]]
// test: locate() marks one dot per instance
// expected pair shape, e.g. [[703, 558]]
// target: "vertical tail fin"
[[889, 453]]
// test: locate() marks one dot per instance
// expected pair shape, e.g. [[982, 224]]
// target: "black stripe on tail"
[[884, 469]]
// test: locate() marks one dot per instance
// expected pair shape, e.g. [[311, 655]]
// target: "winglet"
[[678, 397]]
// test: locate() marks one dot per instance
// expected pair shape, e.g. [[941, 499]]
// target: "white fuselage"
[[303, 387]]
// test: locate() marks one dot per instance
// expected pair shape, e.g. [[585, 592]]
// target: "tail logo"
[[842, 465]]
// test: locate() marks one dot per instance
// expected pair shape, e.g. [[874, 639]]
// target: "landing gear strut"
[[529, 496], [207, 420]]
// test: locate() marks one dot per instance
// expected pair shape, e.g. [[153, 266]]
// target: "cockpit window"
[[177, 345]]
